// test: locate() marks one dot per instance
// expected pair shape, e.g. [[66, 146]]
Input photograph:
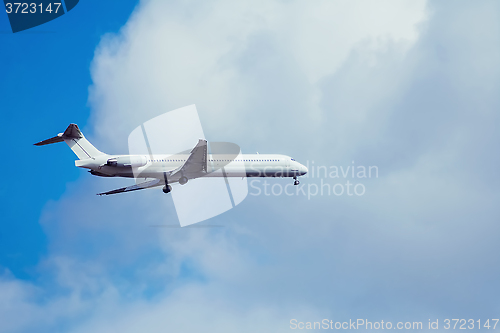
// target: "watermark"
[[365, 324], [354, 324], [25, 15], [176, 153], [321, 180], [171, 151]]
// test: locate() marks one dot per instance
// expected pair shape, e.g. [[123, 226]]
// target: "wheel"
[[167, 189], [183, 180], [296, 182]]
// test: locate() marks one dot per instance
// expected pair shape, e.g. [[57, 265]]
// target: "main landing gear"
[[183, 180], [296, 182]]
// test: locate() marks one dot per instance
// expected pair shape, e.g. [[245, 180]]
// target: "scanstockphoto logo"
[[322, 180], [26, 15], [171, 137]]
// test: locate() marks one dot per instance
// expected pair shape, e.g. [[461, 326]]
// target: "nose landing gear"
[[296, 182], [167, 189]]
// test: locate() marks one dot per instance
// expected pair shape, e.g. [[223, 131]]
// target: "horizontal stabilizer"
[[72, 132], [76, 141], [55, 139]]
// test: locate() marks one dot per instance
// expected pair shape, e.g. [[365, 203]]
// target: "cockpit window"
[[293, 159]]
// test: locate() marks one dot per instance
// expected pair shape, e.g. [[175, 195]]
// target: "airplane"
[[166, 169]]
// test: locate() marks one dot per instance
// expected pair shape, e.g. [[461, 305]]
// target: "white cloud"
[[220, 55]]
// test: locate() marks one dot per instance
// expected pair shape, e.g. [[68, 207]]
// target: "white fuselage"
[[242, 165]]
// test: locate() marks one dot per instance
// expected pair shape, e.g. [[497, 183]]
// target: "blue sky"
[[408, 86], [44, 87]]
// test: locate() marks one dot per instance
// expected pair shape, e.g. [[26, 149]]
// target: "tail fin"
[[76, 141]]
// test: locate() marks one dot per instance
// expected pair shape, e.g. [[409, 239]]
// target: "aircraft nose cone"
[[303, 170]]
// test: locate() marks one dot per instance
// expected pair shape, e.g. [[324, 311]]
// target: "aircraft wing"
[[141, 186], [196, 164]]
